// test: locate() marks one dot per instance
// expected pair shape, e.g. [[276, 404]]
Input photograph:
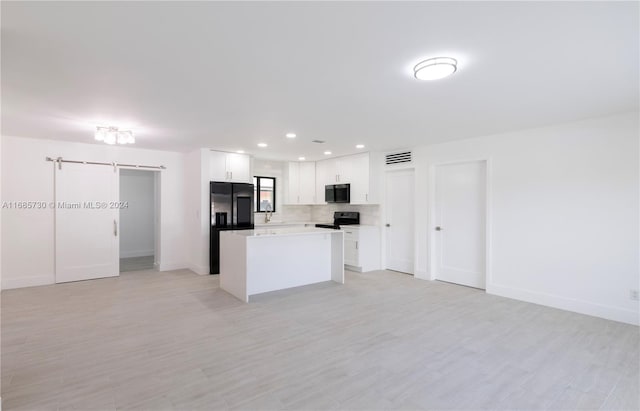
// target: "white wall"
[[563, 213], [197, 204], [137, 222], [1, 199], [27, 235]]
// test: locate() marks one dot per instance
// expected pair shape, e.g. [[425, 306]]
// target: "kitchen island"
[[269, 259]]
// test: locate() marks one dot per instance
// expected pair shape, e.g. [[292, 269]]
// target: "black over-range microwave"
[[337, 193]]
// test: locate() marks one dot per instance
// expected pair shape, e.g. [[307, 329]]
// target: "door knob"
[[438, 228], [388, 225]]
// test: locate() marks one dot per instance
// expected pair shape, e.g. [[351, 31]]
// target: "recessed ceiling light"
[[263, 145], [360, 146], [326, 153], [435, 68], [240, 151], [290, 135], [301, 158]]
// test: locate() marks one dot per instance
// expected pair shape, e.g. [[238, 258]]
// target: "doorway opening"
[[138, 219]]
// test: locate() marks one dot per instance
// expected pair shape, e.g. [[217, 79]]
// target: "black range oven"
[[341, 218]]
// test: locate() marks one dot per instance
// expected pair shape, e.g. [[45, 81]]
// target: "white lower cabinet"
[[361, 248]]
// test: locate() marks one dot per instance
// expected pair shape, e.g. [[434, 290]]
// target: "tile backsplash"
[[369, 214]]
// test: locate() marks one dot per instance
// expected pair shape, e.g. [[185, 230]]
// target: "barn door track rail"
[[60, 160]]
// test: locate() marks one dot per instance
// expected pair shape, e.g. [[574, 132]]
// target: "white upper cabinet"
[[307, 183], [324, 175], [344, 170], [293, 183], [239, 165], [230, 167], [360, 179], [326, 172], [301, 183], [218, 166], [357, 170]]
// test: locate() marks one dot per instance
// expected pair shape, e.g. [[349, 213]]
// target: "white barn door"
[[86, 222]]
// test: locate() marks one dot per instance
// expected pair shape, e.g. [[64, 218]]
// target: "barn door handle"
[[115, 228]]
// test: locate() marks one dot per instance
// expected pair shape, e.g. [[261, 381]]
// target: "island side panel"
[[279, 262], [233, 265], [337, 257]]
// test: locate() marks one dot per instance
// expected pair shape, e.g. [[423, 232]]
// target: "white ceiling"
[[230, 75]]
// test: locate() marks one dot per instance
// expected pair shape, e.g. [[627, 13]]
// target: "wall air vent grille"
[[398, 158], [318, 141]]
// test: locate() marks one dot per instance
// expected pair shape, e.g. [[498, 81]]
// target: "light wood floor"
[[136, 263], [383, 340]]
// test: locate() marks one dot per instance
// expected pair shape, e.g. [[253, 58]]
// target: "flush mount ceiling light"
[[327, 153], [262, 145], [111, 135], [435, 68], [360, 146], [301, 158], [290, 135]]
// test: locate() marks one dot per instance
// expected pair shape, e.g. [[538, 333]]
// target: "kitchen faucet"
[[268, 213]]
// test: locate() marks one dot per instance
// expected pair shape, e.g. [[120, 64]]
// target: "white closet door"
[[400, 221], [460, 223], [86, 229]]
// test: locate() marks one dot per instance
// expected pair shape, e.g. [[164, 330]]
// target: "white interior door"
[[460, 221], [86, 222], [400, 220]]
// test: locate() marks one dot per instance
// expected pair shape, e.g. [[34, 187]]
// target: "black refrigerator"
[[231, 209]]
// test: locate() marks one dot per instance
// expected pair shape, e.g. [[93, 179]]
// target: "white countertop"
[[279, 224], [280, 231], [262, 224]]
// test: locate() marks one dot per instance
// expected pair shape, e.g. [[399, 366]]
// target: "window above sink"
[[265, 194]]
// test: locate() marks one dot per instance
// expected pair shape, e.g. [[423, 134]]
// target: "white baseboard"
[[31, 281], [423, 275], [199, 269], [569, 304], [136, 253], [173, 266]]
